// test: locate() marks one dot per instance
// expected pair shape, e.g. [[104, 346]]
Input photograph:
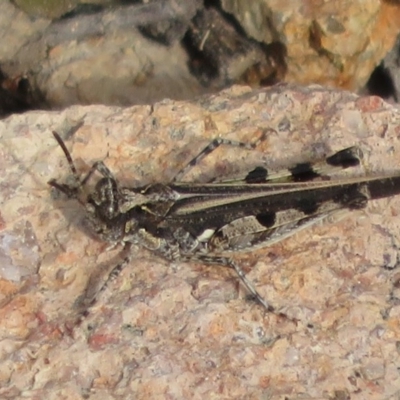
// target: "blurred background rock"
[[57, 53]]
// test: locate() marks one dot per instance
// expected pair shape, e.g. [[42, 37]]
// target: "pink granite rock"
[[179, 330]]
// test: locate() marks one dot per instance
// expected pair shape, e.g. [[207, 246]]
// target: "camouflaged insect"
[[209, 222]]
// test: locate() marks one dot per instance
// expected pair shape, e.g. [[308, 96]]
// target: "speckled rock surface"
[[177, 330]]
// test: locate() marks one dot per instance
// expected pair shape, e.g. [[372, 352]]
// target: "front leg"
[[103, 275]]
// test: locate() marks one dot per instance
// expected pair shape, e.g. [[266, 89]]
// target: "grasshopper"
[[209, 222]]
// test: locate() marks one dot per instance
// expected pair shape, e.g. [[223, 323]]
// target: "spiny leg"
[[213, 145], [247, 283], [249, 286], [105, 275]]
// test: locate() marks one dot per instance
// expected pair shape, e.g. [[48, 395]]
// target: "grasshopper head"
[[104, 216]]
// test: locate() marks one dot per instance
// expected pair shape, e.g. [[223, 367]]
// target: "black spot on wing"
[[345, 158], [303, 172], [266, 219], [358, 202], [353, 198], [307, 206], [257, 175]]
